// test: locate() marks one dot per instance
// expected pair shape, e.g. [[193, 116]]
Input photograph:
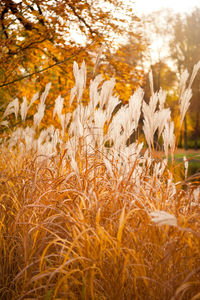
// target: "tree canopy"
[[39, 34]]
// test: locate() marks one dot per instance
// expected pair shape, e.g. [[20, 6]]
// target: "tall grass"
[[89, 212]]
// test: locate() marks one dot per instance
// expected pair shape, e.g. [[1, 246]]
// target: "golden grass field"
[[93, 239], [79, 220]]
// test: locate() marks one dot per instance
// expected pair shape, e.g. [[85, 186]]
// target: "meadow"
[[86, 211]]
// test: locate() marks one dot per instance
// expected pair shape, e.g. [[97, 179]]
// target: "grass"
[[76, 217], [60, 240], [191, 154], [193, 158]]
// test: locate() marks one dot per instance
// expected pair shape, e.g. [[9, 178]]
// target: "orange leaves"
[[123, 66], [49, 39]]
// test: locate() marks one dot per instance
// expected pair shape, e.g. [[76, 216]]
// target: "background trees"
[[185, 47], [174, 46]]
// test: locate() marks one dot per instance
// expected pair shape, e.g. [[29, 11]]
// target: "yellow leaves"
[[123, 66]]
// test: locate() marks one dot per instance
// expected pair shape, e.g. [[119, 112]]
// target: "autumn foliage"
[[40, 40]]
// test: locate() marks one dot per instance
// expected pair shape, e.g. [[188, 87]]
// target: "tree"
[[43, 35]]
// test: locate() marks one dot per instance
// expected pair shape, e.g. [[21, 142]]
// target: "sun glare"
[[145, 6]]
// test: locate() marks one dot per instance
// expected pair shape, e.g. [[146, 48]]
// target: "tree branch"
[[5, 10], [13, 7], [82, 19], [45, 69]]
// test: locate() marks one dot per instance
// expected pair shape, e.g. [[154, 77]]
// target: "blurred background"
[[40, 40]]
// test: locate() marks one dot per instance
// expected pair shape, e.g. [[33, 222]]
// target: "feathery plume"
[[196, 194], [162, 98], [152, 119], [194, 73], [135, 104], [184, 103], [164, 116], [113, 102], [94, 95], [185, 94], [161, 217], [34, 98], [29, 135], [41, 106], [64, 121], [80, 82], [13, 107], [186, 165], [106, 92], [168, 137], [39, 114], [58, 107], [45, 93], [182, 84], [24, 109]]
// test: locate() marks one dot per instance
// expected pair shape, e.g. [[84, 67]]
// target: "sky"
[[147, 6]]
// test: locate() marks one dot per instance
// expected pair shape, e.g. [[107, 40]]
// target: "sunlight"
[[145, 6]]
